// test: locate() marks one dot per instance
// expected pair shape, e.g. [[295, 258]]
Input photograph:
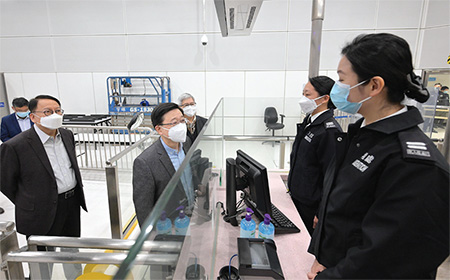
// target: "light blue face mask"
[[339, 94], [23, 114]]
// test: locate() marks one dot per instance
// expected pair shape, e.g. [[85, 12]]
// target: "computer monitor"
[[252, 179]]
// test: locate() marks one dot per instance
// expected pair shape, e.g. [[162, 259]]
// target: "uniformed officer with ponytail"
[[385, 207], [313, 149]]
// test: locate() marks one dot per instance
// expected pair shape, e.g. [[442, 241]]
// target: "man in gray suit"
[[154, 167]]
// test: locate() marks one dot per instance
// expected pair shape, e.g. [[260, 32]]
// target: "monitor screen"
[[253, 178]]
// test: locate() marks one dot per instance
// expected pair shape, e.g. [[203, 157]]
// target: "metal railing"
[[112, 182], [96, 144], [100, 243], [164, 253]]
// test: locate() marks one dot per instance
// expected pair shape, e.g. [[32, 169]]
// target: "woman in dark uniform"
[[313, 148], [385, 204]]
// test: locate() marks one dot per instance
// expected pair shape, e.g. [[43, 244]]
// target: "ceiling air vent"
[[237, 17]]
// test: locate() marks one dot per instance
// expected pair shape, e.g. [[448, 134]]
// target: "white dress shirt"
[[59, 160], [24, 123]]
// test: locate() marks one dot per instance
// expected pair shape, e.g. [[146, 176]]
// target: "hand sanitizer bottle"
[[181, 222], [248, 225], [266, 228], [164, 225]]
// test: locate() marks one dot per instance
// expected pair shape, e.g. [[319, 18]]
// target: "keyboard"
[[282, 223]]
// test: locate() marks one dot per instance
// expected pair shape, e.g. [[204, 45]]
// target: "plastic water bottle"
[[266, 228], [181, 222], [248, 225], [164, 225]]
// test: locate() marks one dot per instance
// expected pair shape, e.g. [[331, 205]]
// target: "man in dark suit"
[[40, 175], [155, 166], [16, 122], [194, 123]]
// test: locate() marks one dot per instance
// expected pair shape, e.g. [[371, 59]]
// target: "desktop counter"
[[291, 248]]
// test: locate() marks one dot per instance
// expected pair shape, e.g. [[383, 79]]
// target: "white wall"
[[69, 48]]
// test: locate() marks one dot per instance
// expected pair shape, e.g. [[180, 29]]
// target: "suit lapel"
[[164, 158], [38, 147], [16, 123], [69, 148], [168, 165]]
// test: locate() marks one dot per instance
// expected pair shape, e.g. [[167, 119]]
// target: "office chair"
[[271, 120]]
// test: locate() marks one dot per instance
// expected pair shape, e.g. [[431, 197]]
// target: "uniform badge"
[[359, 165], [417, 149], [330, 125], [309, 136], [362, 164]]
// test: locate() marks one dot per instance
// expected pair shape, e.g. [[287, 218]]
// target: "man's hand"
[[315, 221], [315, 269]]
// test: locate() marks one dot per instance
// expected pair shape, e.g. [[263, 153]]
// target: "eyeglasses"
[[175, 122], [187, 104], [48, 112]]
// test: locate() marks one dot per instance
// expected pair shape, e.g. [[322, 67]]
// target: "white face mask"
[[308, 105], [53, 121], [190, 111], [177, 133]]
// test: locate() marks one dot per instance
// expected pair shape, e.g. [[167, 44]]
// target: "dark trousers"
[[307, 214], [67, 223]]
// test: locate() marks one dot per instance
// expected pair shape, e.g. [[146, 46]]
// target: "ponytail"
[[416, 89], [387, 56]]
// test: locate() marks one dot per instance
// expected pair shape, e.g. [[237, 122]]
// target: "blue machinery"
[[128, 95]]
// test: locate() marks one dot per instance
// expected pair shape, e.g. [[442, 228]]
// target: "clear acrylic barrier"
[[193, 186], [124, 179], [202, 171], [232, 126]]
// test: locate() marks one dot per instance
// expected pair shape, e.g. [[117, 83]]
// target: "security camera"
[[204, 40]]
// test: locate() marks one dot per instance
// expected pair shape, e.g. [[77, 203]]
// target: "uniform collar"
[[320, 117], [314, 117], [401, 111], [394, 123]]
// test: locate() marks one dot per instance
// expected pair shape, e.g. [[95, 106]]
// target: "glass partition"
[[125, 178], [119, 175], [189, 203], [200, 181]]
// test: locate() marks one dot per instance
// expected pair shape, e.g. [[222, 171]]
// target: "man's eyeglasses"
[[187, 104], [48, 112], [175, 122]]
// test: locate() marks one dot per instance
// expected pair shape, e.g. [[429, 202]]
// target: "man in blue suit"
[[16, 122]]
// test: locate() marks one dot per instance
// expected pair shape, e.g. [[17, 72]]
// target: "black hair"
[[388, 56], [160, 110], [444, 88], [34, 102], [437, 84], [323, 85], [19, 102]]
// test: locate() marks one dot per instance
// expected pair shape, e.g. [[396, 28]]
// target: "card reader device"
[[258, 257]]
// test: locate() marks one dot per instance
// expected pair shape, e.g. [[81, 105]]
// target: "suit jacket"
[[152, 171], [199, 124], [27, 179], [10, 127]]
